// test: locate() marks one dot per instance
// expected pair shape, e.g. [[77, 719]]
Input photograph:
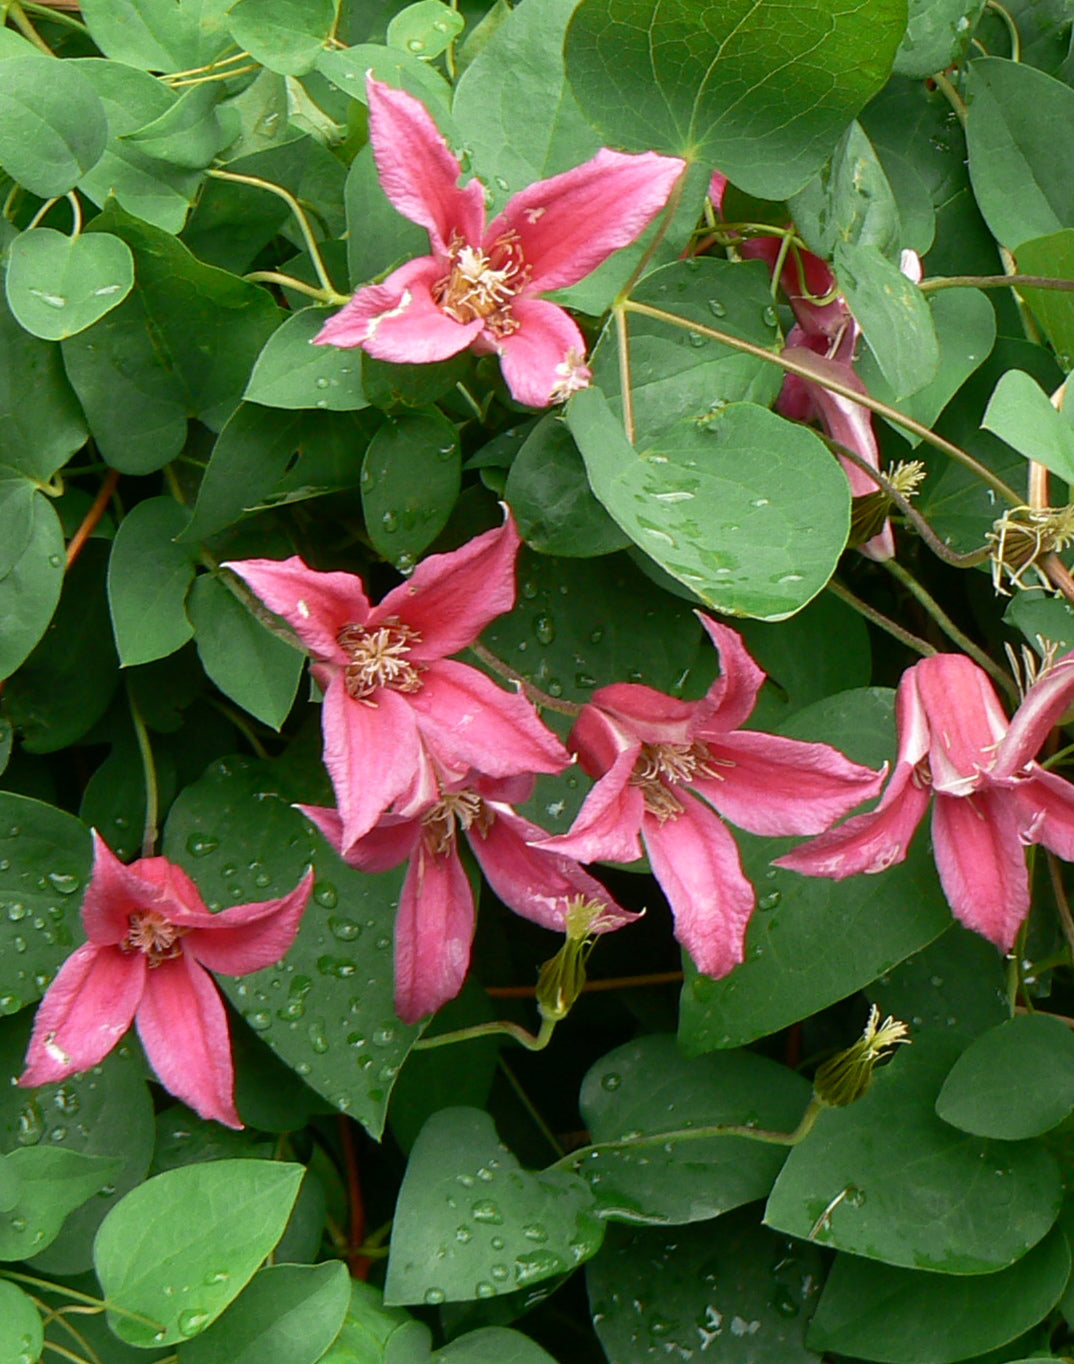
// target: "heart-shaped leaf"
[[57, 285]]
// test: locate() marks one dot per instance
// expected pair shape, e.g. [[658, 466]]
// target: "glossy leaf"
[[31, 587], [24, 1334], [410, 480], [286, 36], [38, 437], [57, 286], [188, 134], [1053, 257], [1019, 413], [425, 29], [181, 1246], [863, 1194], [850, 200], [52, 125], [291, 372], [730, 1291], [903, 1316], [148, 578], [471, 1223], [648, 1087], [714, 80], [347, 67], [893, 314], [50, 1183], [248, 459], [143, 33], [957, 983]]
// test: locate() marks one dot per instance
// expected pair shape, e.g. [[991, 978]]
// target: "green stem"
[[499, 1028], [1012, 28], [13, 10], [101, 1303], [937, 282], [622, 338], [217, 76], [834, 386], [149, 773], [950, 629], [208, 67], [40, 213], [883, 622], [953, 97], [55, 16], [684, 1134], [289, 282], [670, 209], [76, 215], [289, 199]]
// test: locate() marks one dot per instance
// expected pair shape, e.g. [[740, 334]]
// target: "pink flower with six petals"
[[392, 696], [651, 752], [480, 285], [435, 923], [991, 798], [151, 939]]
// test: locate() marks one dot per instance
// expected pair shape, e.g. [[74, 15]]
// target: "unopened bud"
[[847, 1076], [869, 512], [562, 978]]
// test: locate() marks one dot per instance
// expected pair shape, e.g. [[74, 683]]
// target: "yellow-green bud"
[[869, 512], [562, 978], [846, 1077]]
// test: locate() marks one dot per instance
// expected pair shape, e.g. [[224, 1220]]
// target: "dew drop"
[[201, 845], [435, 1296], [50, 300], [483, 1289], [415, 45], [193, 1320], [64, 883], [545, 629], [716, 308], [488, 1212], [611, 1081], [325, 893]]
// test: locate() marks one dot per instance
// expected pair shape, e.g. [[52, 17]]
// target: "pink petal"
[[433, 932], [599, 740], [982, 864], [532, 881], [1045, 803], [844, 420], [183, 1027], [316, 605], [773, 785], [85, 1011], [115, 892], [248, 938], [371, 750], [733, 695], [1045, 703], [866, 843], [515, 790], [390, 841], [607, 826], [571, 223], [418, 172], [399, 320], [646, 715], [466, 719], [697, 864], [450, 598], [717, 189], [800, 273], [966, 720], [542, 355]]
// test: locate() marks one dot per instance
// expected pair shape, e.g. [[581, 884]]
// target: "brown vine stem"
[[882, 409], [912, 641], [1059, 576], [538, 697], [591, 986], [92, 518], [1061, 901], [937, 282]]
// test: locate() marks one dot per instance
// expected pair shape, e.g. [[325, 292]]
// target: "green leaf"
[[57, 286], [288, 1314], [717, 505], [1052, 256], [257, 669], [24, 1336], [1021, 161], [676, 373], [937, 36], [248, 459], [958, 982], [892, 312], [378, 237], [181, 1246], [1019, 413], [30, 589], [785, 977], [410, 482], [287, 36], [515, 113], [148, 578], [1031, 1056], [730, 1291], [188, 134], [347, 68], [51, 1182], [471, 1223], [174, 36], [52, 125], [367, 1329], [648, 1087], [64, 687], [1050, 617], [860, 1183], [17, 499], [326, 1010], [549, 494], [903, 1316], [36, 438], [849, 201], [292, 372], [425, 29], [761, 89], [44, 861]]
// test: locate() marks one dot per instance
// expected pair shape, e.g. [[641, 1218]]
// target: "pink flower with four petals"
[[655, 755], [480, 285], [151, 939], [990, 798]]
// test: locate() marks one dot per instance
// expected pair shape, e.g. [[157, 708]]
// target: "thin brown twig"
[[535, 694], [92, 517]]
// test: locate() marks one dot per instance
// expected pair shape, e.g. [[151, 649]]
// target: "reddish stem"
[[357, 1263], [92, 517]]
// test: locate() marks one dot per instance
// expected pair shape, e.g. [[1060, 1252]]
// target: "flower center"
[[457, 810], [379, 658], [661, 766], [480, 286], [154, 935]]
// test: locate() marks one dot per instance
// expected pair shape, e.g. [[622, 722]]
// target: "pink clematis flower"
[[654, 756], [990, 796], [480, 286], [151, 939], [435, 923], [392, 697]]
